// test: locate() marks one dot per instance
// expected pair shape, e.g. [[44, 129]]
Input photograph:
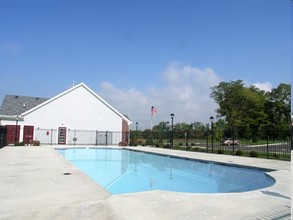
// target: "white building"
[[77, 115]]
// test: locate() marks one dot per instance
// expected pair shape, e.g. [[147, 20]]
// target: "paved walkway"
[[38, 183]]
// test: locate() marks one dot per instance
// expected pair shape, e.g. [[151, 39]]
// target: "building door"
[[28, 134], [13, 132], [62, 135]]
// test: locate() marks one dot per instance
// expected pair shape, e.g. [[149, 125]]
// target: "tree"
[[161, 127], [249, 110], [278, 108], [199, 129], [147, 135]]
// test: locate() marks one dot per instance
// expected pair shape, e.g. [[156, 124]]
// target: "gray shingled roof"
[[16, 105]]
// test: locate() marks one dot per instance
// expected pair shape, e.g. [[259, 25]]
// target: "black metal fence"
[[261, 147], [200, 142], [81, 137]]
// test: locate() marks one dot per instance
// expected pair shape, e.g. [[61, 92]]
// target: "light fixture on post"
[[172, 134], [212, 127]]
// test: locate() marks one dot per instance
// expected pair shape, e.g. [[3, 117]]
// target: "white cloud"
[[185, 92], [130, 102], [188, 91], [266, 86]]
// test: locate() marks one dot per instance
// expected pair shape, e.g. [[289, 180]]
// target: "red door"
[[28, 134], [13, 132]]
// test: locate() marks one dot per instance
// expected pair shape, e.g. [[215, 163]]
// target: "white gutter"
[[11, 117]]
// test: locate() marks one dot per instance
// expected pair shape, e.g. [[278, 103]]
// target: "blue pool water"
[[125, 171]]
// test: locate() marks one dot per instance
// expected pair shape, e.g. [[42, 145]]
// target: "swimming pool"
[[126, 171]]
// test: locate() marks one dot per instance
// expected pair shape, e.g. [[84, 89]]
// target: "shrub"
[[122, 144], [140, 142], [149, 142], [166, 146], [238, 153], [221, 151], [253, 153], [133, 143], [36, 143]]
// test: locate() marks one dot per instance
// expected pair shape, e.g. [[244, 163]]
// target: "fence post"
[[267, 146], [207, 142], [185, 137], [51, 136]]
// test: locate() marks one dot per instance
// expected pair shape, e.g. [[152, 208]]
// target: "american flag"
[[153, 110]]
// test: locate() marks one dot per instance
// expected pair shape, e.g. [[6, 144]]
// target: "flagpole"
[[151, 122], [153, 112], [152, 125]]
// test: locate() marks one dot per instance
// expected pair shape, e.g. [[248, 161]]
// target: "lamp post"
[[172, 134], [16, 124], [212, 127], [167, 132], [136, 127]]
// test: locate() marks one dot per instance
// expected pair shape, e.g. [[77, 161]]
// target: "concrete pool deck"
[[35, 185]]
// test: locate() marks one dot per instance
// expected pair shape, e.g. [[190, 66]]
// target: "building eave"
[[12, 117]]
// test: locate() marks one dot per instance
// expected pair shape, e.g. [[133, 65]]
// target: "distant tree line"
[[244, 112]]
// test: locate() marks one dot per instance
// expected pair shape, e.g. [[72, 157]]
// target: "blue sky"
[[136, 54]]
